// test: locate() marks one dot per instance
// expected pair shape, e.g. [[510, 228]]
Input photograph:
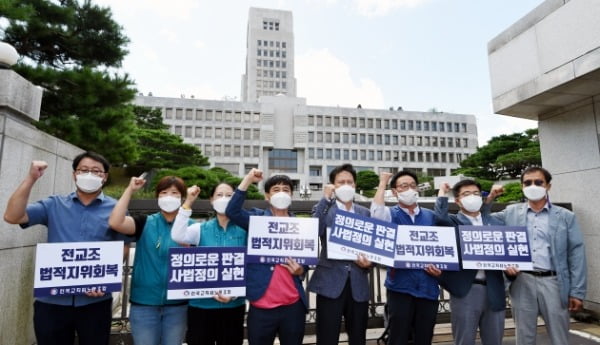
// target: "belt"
[[541, 273], [479, 281]]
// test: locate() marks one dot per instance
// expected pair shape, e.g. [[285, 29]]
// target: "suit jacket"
[[459, 283], [330, 276], [566, 247]]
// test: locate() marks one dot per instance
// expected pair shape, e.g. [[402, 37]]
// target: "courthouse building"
[[276, 131]]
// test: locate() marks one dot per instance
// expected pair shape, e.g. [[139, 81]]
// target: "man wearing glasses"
[[557, 284], [412, 293], [477, 296], [81, 216]]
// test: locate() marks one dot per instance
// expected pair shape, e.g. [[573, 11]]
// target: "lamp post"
[[8, 55]]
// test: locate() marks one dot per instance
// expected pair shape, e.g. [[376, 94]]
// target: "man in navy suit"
[[342, 286], [477, 296]]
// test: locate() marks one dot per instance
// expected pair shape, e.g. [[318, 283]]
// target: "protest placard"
[[353, 234], [271, 240], [202, 272], [418, 246], [75, 268], [494, 247]]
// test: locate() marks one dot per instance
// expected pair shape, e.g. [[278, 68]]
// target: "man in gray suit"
[[557, 284], [342, 286], [477, 297]]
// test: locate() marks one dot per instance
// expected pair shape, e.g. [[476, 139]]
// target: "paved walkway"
[[580, 334]]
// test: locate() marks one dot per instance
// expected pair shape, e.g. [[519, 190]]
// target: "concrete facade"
[[269, 55], [280, 134], [20, 144], [546, 67]]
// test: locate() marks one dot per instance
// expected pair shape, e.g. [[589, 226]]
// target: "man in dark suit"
[[342, 286], [477, 296]]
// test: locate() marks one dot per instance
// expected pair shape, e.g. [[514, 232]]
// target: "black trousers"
[[329, 318], [57, 324], [286, 322], [411, 315], [224, 326]]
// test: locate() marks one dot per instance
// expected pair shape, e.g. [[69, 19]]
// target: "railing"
[[203, 209]]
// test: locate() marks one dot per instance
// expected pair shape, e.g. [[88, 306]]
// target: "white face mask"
[[281, 200], [408, 197], [534, 193], [220, 204], [169, 203], [345, 193], [88, 183], [471, 203]]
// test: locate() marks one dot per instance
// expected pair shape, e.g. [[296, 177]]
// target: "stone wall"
[[20, 143]]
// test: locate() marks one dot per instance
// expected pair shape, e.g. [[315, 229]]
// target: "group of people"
[[275, 293]]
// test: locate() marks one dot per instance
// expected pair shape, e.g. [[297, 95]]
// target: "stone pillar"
[[20, 143], [546, 67]]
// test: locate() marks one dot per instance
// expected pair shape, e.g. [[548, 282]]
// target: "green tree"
[[68, 48], [512, 192], [503, 156], [206, 179], [366, 180], [158, 148]]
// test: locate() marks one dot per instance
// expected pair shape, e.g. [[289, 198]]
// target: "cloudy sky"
[[418, 54]]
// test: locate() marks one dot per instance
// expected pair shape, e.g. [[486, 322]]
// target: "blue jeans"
[[158, 325]]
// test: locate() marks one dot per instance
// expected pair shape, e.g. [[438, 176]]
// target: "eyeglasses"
[[404, 186], [96, 172], [466, 194], [528, 183]]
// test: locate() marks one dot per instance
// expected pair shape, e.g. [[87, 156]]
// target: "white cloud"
[[169, 35], [375, 8], [177, 9], [324, 79], [491, 125]]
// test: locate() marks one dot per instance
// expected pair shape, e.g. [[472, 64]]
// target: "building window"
[[311, 137], [328, 121], [198, 132], [336, 138], [418, 123], [464, 127], [449, 126], [410, 125], [353, 138], [319, 137], [336, 154], [328, 137], [319, 120], [311, 120], [344, 138], [256, 151], [354, 154], [336, 121], [179, 114], [456, 127], [465, 142], [236, 151], [319, 153], [442, 127], [178, 130], [346, 155], [311, 153], [256, 134], [247, 134], [394, 124], [314, 171], [227, 133], [237, 133], [403, 125], [246, 151], [369, 123], [345, 122], [188, 131], [378, 123], [371, 139], [168, 113], [362, 139], [426, 125], [434, 126], [353, 122], [328, 154]]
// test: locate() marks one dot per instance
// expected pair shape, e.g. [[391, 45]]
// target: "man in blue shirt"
[[77, 217]]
